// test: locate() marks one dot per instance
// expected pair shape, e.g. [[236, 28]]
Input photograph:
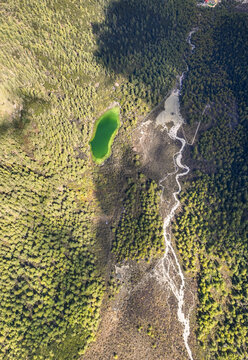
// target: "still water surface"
[[104, 132]]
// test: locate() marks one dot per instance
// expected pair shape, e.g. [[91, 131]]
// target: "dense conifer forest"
[[139, 235], [211, 230], [62, 64]]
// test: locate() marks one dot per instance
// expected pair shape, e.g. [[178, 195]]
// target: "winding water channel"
[[168, 269]]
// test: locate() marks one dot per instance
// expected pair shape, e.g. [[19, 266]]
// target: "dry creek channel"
[[155, 293], [168, 271]]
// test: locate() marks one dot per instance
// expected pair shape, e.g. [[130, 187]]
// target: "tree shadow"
[[19, 122], [111, 180], [144, 40]]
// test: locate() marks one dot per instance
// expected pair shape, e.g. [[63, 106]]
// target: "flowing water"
[[168, 270]]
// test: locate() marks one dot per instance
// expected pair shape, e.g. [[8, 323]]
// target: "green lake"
[[105, 129]]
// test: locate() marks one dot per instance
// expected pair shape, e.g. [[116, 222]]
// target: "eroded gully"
[[168, 269]]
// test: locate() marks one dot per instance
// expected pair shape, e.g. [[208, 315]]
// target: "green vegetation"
[[211, 231], [151, 332], [50, 288], [144, 43], [56, 80], [104, 133], [139, 234], [114, 285]]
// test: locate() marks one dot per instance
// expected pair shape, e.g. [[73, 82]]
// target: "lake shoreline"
[[113, 111]]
